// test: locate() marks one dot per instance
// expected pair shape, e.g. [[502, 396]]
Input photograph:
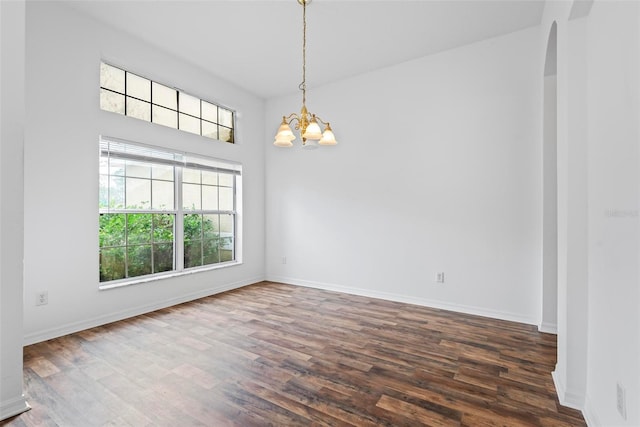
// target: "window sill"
[[161, 276]]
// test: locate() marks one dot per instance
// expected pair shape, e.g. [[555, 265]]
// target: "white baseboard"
[[548, 328], [477, 311], [70, 328], [13, 407], [566, 397]]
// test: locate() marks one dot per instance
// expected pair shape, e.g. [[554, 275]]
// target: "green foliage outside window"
[[203, 243], [137, 244]]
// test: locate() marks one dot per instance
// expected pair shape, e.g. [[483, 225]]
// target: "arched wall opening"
[[549, 309]]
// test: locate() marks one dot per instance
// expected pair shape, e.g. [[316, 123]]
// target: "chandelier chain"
[[303, 85]]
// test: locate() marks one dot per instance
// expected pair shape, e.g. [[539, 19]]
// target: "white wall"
[[613, 39], [64, 50], [438, 168], [12, 23], [549, 315]]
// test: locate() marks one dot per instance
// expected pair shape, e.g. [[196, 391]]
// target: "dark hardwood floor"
[[274, 354]]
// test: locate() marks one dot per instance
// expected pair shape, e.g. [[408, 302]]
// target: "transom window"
[[126, 93], [162, 212]]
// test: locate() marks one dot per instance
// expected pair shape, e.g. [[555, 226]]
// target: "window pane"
[[138, 109], [138, 169], [138, 260], [225, 117], [226, 250], [103, 198], [162, 257], [116, 192], [226, 180], [164, 117], [111, 78], [193, 253], [210, 178], [192, 227], [192, 240], [226, 224], [162, 195], [117, 166], [225, 134], [138, 193], [209, 198], [189, 104], [191, 175], [104, 165], [162, 172], [226, 238], [112, 230], [209, 130], [226, 199], [112, 266], [138, 228], [189, 124], [191, 196], [165, 96], [210, 226], [138, 87], [209, 112], [163, 227], [110, 101], [210, 253]]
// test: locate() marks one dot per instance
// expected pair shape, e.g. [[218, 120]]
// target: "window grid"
[[226, 130]]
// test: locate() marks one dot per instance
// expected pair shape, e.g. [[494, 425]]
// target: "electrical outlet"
[[621, 400], [284, 259], [440, 277], [42, 298]]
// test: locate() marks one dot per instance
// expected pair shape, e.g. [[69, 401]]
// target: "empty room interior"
[[323, 212]]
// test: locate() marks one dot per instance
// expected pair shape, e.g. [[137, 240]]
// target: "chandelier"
[[305, 122]]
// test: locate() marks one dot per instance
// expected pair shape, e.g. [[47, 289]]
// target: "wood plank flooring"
[[274, 354]]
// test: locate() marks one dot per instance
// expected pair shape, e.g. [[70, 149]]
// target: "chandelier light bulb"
[[283, 142], [328, 138], [313, 130], [284, 131]]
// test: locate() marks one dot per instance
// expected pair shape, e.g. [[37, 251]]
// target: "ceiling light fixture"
[[305, 122]]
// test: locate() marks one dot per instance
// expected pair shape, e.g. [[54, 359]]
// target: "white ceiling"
[[257, 45]]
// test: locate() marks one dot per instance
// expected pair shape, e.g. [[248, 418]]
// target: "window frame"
[[110, 147], [156, 107]]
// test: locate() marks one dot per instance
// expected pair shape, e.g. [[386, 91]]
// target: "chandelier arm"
[[320, 120], [292, 118]]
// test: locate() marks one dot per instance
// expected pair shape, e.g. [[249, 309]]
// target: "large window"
[[129, 94], [163, 212]]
